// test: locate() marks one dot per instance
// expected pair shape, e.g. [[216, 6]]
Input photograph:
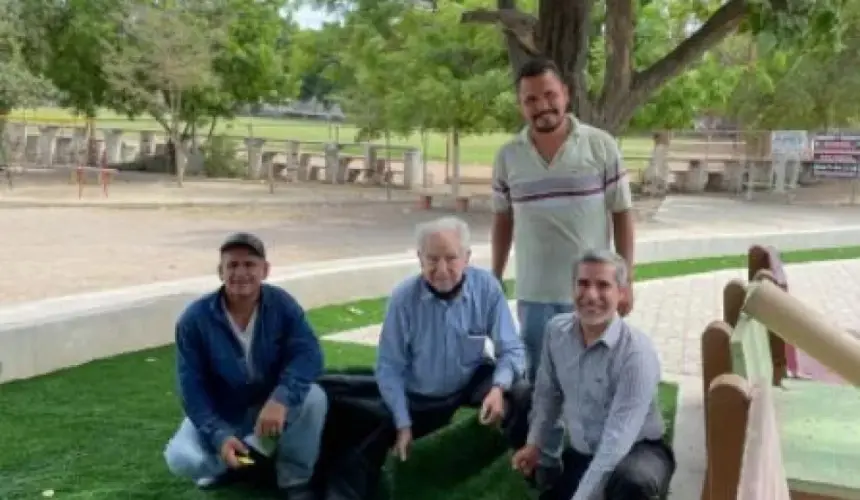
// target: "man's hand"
[[270, 422], [625, 305], [493, 407], [231, 450], [525, 460], [403, 445]]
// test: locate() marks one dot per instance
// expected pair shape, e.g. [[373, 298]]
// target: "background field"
[[475, 149]]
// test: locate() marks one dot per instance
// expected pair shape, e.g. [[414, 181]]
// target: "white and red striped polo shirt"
[[561, 208]]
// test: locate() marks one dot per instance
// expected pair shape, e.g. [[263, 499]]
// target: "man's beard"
[[546, 129]]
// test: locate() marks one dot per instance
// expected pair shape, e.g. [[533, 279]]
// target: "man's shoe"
[[544, 478], [206, 483], [300, 492]]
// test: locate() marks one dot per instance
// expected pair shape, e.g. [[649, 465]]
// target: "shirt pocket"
[[597, 390], [472, 348]]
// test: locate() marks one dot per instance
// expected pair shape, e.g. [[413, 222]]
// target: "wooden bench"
[[817, 423], [308, 171], [426, 195]]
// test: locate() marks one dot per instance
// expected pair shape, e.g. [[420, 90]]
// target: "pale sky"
[[308, 17]]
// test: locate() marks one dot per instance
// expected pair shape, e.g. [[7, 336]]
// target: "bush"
[[219, 158]]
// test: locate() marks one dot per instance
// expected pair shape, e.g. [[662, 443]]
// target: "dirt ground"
[[61, 249], [58, 251]]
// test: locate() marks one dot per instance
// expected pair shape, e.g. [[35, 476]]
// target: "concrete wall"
[[40, 337]]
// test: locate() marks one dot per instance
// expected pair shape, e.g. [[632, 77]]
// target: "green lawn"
[[475, 150], [96, 432]]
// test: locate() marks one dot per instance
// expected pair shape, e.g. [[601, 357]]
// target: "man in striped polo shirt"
[[559, 188]]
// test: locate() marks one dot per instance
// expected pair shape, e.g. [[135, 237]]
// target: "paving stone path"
[[675, 311]]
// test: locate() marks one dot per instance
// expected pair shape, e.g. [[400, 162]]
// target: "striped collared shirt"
[[432, 347], [606, 394], [561, 208]]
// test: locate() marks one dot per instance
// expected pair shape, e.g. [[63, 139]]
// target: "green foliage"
[[809, 84], [248, 62], [67, 49], [18, 85], [394, 29], [452, 76], [702, 89], [314, 63], [219, 158], [251, 61], [403, 69], [797, 21]]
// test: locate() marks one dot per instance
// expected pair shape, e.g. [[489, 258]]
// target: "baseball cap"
[[247, 240]]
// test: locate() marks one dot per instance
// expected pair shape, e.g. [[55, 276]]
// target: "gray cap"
[[246, 240]]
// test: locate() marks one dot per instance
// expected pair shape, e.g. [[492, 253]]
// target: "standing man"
[[247, 361], [602, 376], [559, 188]]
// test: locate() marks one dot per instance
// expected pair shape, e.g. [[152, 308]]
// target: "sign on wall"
[[789, 143], [836, 155]]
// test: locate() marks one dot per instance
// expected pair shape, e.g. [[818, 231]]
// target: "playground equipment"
[[766, 434], [105, 175], [800, 325]]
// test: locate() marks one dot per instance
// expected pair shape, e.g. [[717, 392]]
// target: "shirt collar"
[[217, 301], [425, 294], [573, 133], [610, 335]]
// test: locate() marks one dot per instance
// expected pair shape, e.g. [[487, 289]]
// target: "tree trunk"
[[92, 146], [562, 29], [562, 32]]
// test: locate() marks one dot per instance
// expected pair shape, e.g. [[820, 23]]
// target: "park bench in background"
[[351, 169], [817, 423]]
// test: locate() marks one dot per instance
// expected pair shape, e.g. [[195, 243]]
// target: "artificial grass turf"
[[97, 431]]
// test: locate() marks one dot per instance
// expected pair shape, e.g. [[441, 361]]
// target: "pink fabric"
[[802, 365]]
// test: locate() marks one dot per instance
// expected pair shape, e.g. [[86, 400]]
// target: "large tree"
[[18, 85], [245, 58], [569, 31], [804, 85]]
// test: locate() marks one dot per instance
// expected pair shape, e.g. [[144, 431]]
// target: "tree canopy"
[[18, 85], [802, 85], [642, 63], [405, 65], [109, 53]]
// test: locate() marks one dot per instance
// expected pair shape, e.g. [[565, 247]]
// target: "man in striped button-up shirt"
[[601, 375]]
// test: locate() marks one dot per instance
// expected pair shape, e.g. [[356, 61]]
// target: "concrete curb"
[[118, 204], [43, 336]]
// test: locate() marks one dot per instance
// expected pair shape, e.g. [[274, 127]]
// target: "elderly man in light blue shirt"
[[433, 355], [601, 375]]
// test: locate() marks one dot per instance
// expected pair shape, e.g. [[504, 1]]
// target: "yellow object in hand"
[[245, 460]]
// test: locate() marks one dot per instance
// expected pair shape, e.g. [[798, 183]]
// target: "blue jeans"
[[533, 318], [295, 456]]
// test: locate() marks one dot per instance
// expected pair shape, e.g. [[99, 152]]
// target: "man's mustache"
[[545, 113]]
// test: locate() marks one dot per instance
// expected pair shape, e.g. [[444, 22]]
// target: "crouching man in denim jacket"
[[247, 362]]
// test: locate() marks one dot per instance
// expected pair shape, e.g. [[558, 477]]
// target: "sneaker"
[[544, 478], [206, 482]]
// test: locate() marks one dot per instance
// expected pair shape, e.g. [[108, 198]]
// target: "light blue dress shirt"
[[432, 347], [606, 393]]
